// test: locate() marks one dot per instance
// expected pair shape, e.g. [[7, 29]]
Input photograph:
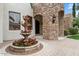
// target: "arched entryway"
[[37, 27], [61, 22], [38, 24]]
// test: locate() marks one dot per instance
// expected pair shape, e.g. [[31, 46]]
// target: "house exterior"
[[48, 19]]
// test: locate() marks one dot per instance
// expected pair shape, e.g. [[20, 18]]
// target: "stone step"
[[39, 37]]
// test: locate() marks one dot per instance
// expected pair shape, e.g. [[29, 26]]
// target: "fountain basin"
[[15, 50], [26, 47]]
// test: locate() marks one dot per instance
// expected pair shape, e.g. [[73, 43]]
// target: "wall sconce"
[[53, 19]]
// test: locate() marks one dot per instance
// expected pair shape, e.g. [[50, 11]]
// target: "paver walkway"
[[65, 47]]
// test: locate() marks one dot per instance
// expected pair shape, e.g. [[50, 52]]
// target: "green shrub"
[[66, 32], [76, 22], [73, 31]]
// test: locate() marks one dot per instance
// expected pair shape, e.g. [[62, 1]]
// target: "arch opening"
[[61, 22], [38, 24]]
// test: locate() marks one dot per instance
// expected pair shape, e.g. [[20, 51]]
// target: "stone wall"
[[47, 10], [68, 19]]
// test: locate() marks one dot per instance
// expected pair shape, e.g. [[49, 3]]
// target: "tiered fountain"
[[25, 33], [26, 45]]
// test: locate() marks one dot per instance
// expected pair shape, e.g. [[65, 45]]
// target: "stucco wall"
[[24, 9], [1, 23]]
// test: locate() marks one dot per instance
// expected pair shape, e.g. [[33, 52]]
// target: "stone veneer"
[[47, 10], [68, 19]]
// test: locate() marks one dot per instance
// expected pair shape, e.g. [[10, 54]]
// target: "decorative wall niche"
[[53, 19]]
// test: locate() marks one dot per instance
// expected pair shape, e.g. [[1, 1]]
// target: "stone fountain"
[[26, 45], [25, 33]]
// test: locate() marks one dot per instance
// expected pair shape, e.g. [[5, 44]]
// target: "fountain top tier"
[[27, 24]]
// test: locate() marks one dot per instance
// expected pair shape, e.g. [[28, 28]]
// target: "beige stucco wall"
[[24, 9], [1, 23]]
